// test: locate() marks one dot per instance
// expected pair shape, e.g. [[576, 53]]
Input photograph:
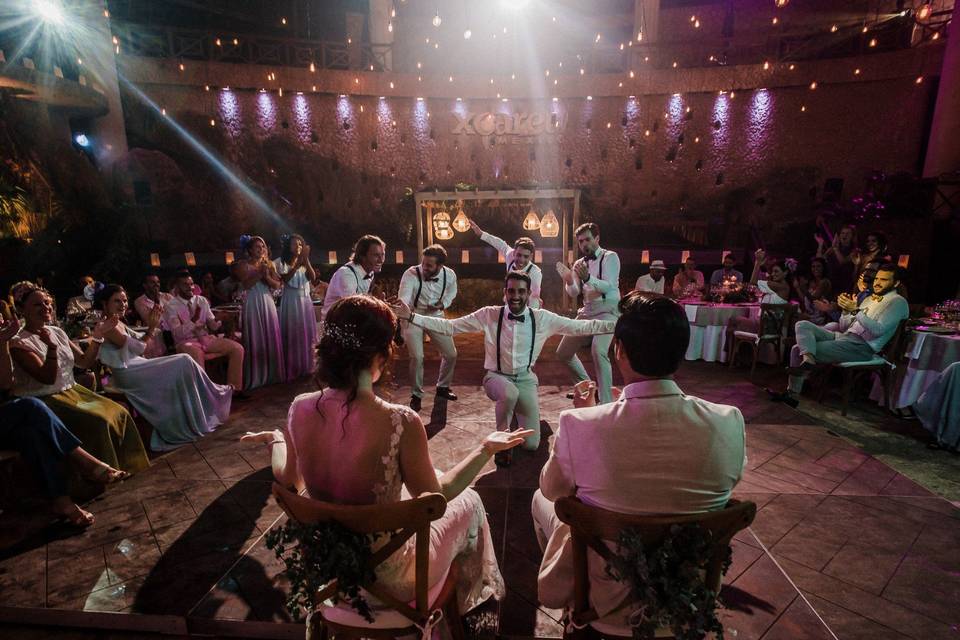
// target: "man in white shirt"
[[597, 275], [519, 258], [191, 322], [513, 337], [428, 289], [144, 304], [356, 276], [865, 329], [655, 450], [652, 282]]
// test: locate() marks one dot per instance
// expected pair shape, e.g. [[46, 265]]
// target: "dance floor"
[[843, 546]]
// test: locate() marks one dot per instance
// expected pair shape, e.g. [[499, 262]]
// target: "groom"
[[513, 336]]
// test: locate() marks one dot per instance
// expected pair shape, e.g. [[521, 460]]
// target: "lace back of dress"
[[389, 490]]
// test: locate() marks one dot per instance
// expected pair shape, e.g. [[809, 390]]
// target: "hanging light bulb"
[[436, 19], [441, 226], [532, 221], [780, 4], [390, 27], [467, 34], [549, 225], [461, 223]]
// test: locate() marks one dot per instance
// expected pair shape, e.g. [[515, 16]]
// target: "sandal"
[[78, 518], [105, 474]]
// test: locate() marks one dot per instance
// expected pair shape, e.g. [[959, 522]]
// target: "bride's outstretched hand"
[[262, 437], [498, 441]]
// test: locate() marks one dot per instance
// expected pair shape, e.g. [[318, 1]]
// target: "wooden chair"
[[399, 521], [884, 363], [590, 526], [775, 323]]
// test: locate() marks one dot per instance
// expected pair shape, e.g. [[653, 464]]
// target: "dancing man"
[[519, 258], [356, 276], [428, 289], [597, 275], [513, 336]]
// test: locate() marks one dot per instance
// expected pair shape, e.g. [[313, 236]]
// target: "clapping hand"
[[760, 255], [8, 329], [819, 239], [846, 302], [582, 270], [305, 254], [498, 441], [262, 437], [153, 320], [565, 273], [585, 394], [105, 327]]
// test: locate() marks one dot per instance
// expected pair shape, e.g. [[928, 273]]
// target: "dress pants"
[[826, 347], [413, 336], [197, 347], [516, 394], [599, 350], [30, 427]]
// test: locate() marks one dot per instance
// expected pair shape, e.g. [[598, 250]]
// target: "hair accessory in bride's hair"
[[244, 241], [344, 335]]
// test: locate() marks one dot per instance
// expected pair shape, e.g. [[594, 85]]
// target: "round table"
[[927, 355], [708, 327]]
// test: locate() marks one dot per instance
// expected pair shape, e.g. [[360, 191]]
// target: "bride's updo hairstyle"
[[356, 330]]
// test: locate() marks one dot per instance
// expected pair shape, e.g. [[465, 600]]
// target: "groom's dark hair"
[[654, 332]]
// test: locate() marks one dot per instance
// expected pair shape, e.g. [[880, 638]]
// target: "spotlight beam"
[[207, 154]]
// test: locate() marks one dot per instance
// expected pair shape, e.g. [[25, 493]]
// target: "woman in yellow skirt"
[[44, 358]]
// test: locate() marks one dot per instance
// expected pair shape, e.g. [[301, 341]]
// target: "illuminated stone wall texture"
[[345, 163]]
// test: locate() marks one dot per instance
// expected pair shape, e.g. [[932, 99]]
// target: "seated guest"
[[43, 362], [819, 286], [688, 282], [227, 291], [29, 427], [344, 444], [191, 322], [144, 304], [865, 328], [208, 287], [864, 290], [82, 304], [655, 450], [775, 288], [654, 281], [173, 393], [727, 273]]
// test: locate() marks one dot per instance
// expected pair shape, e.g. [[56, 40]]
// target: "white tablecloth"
[[927, 355], [708, 328]]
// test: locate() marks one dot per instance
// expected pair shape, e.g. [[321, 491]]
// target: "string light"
[[873, 42], [766, 65], [390, 27], [283, 21], [436, 19], [803, 107], [792, 67], [834, 28], [919, 80], [313, 68], [813, 85], [856, 71], [775, 20], [467, 34]]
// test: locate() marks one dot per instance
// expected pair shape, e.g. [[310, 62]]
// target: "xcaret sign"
[[511, 128]]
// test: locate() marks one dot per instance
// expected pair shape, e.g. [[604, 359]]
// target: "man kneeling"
[[655, 450]]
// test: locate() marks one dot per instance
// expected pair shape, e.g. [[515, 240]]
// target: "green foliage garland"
[[668, 581], [318, 554]]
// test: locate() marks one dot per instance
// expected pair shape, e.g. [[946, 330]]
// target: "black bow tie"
[[590, 257], [519, 317], [369, 276], [433, 279]]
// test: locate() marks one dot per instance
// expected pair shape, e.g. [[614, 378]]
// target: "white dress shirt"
[[509, 257], [178, 314], [655, 450], [515, 336], [876, 322], [350, 279], [441, 289], [769, 295], [647, 283], [601, 292]]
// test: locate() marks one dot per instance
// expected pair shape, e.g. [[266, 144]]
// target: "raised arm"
[[536, 281], [283, 455], [495, 242], [554, 323], [467, 324]]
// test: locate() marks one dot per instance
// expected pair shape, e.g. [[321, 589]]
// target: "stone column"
[[109, 135], [380, 33], [646, 16], [943, 148]]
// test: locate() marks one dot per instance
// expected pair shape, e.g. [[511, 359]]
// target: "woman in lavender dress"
[[298, 325], [263, 349]]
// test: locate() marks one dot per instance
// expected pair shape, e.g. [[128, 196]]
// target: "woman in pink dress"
[[343, 444], [262, 347]]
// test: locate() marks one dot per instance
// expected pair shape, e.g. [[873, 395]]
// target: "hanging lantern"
[[441, 226], [780, 4], [461, 223], [532, 221], [549, 225]]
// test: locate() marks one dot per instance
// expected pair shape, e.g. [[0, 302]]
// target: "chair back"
[[398, 520], [776, 319], [591, 526], [896, 347]]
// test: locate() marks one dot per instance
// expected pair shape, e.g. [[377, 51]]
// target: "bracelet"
[[96, 340], [273, 442]]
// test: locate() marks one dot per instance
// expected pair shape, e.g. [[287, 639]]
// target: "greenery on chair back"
[[318, 554], [668, 581]]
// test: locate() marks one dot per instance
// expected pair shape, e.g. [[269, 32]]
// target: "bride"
[[345, 445]]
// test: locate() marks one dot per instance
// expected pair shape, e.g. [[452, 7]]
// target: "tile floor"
[[842, 544]]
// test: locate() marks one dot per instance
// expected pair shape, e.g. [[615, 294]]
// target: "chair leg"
[[756, 356], [732, 345], [454, 619], [849, 381]]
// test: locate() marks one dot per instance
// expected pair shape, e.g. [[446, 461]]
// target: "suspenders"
[[603, 254], [533, 337], [354, 272], [443, 286]]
